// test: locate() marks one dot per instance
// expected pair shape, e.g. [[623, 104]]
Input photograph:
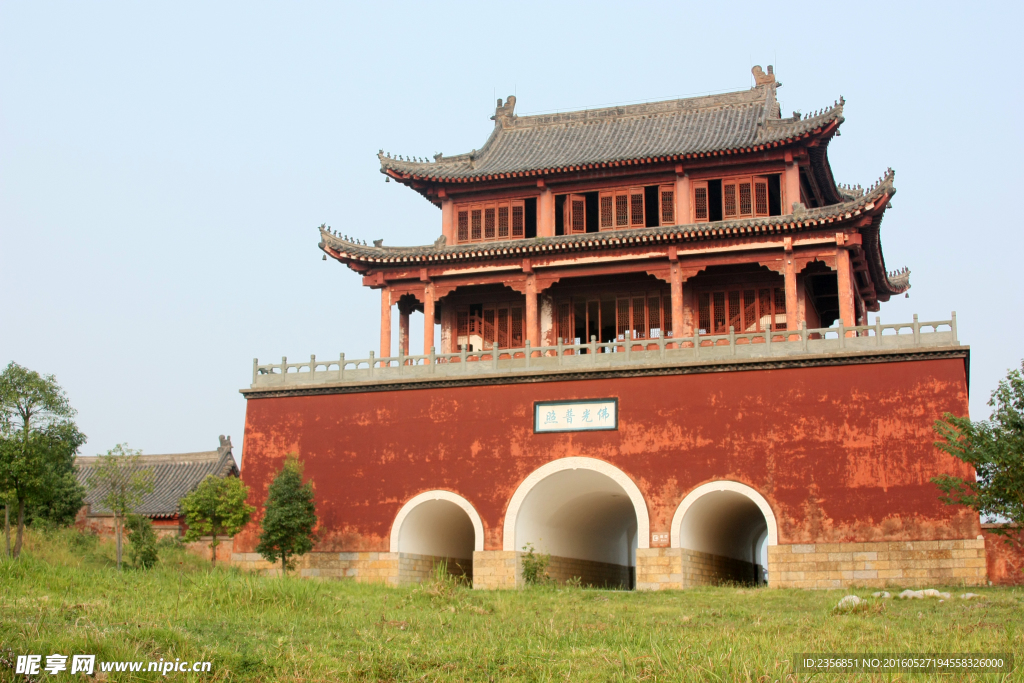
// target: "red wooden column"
[[532, 319], [545, 211], [792, 303], [676, 284], [791, 178], [385, 322], [447, 219], [428, 318], [682, 197], [844, 274], [403, 330]]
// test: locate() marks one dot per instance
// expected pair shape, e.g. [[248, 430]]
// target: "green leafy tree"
[[141, 541], [995, 449], [123, 481], [38, 443], [289, 516], [216, 508]]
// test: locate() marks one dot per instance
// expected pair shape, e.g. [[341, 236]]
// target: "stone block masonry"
[[591, 573], [494, 569], [364, 567], [902, 563], [675, 568]]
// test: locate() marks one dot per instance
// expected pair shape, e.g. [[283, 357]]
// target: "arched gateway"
[[586, 514], [435, 527]]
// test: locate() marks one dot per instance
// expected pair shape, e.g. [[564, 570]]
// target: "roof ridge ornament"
[[762, 78], [504, 114]]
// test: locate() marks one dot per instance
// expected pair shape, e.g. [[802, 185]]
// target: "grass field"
[[65, 596]]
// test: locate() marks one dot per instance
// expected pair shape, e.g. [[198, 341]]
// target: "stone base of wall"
[[590, 572], [419, 568], [494, 569], [674, 568], [365, 567], [904, 563]]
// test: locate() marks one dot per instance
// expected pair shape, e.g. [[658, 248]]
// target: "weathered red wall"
[[1005, 561], [841, 453]]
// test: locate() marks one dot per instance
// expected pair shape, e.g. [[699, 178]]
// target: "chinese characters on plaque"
[[576, 416]]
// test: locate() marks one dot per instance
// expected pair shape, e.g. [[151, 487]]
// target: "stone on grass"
[[969, 596], [881, 594], [922, 594], [849, 602]]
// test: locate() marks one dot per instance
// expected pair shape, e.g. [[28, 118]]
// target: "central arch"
[[586, 514], [726, 527]]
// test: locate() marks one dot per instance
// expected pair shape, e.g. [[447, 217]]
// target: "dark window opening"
[[592, 225], [714, 200], [652, 218], [775, 195], [559, 220], [531, 217]]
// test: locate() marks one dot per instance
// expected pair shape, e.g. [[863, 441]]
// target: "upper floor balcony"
[[600, 357]]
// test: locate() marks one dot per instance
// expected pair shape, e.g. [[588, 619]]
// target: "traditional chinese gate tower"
[[654, 363]]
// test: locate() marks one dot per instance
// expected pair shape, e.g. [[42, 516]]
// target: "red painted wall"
[[840, 453], [1005, 561]]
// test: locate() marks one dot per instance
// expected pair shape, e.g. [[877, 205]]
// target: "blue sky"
[[163, 166]]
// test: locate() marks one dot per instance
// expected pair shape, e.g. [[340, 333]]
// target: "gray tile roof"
[[673, 129], [175, 476]]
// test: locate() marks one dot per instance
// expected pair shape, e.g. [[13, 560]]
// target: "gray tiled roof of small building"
[[713, 123], [175, 476]]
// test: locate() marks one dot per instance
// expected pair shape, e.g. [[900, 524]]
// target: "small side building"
[[175, 476]]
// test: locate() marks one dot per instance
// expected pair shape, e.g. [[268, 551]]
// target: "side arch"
[[508, 536], [439, 494], [724, 485]]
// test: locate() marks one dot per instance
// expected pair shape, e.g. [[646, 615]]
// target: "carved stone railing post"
[[312, 367], [952, 328], [593, 347], [803, 335], [341, 367], [842, 334], [433, 361], [917, 331], [878, 330], [284, 369], [629, 346], [696, 342], [732, 340], [561, 350], [372, 364], [494, 356], [528, 353], [255, 365]]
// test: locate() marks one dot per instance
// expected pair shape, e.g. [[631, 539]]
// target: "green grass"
[[65, 596]]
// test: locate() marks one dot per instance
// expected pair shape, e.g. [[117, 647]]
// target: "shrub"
[[142, 540], [535, 566]]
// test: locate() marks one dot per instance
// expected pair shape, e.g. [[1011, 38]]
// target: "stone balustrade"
[[597, 355]]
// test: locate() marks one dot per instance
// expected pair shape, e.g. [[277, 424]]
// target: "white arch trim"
[[474, 517], [643, 522], [725, 485]]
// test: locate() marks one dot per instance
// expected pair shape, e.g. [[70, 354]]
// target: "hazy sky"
[[163, 166]]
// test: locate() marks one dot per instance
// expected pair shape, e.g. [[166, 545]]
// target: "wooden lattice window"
[[516, 340], [667, 195], [478, 328], [607, 212], [518, 219], [621, 208], [565, 322], [491, 221], [574, 214], [729, 208], [700, 201], [745, 310], [502, 221], [475, 224], [760, 196], [744, 197]]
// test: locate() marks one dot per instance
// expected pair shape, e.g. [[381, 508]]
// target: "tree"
[[216, 508], [141, 541], [38, 443], [123, 481], [995, 449], [289, 516]]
